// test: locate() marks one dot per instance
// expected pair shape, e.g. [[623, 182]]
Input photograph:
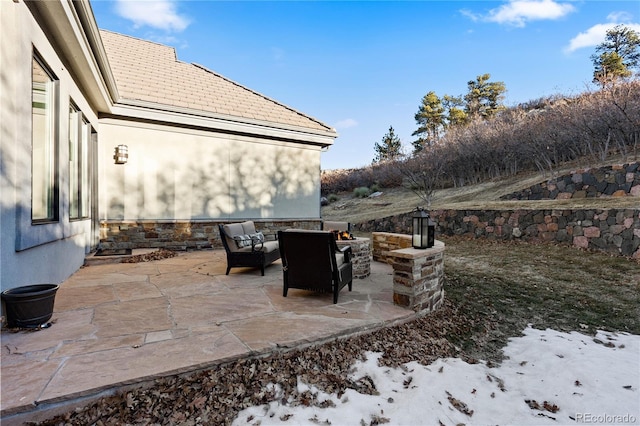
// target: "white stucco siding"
[[274, 181], [44, 252], [178, 173]]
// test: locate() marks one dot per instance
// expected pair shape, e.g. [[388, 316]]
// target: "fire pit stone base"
[[361, 255]]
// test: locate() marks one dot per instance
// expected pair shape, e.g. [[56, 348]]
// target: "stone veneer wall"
[[611, 230], [612, 181], [182, 235], [384, 242]]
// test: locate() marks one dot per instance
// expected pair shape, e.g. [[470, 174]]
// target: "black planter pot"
[[29, 306]]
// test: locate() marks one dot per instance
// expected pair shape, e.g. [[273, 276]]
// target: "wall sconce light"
[[423, 229], [122, 154]]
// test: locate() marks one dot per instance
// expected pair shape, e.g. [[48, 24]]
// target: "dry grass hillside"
[[481, 196]]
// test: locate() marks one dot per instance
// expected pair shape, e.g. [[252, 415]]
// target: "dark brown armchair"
[[311, 260], [246, 247]]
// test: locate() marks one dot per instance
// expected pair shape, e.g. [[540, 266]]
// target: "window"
[[44, 195], [85, 187], [74, 163], [79, 185]]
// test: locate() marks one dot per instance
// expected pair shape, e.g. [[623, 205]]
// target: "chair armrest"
[[273, 236], [346, 250]]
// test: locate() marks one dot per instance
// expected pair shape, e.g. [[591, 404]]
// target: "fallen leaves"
[[546, 406], [459, 405], [156, 255]]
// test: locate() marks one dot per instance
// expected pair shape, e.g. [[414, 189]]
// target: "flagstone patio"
[[126, 323]]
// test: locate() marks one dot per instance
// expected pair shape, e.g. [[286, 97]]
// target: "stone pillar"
[[418, 277]]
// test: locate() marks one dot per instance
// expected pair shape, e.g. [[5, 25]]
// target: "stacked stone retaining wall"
[[181, 235], [610, 230], [612, 181]]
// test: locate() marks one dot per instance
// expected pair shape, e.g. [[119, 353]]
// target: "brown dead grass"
[[513, 284], [483, 196]]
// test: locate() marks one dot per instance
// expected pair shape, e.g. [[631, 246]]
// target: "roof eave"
[[83, 51], [172, 115]]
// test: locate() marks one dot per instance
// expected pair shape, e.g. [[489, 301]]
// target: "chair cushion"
[[248, 227], [269, 246], [233, 229]]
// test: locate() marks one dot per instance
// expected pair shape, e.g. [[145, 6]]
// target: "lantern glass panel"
[[424, 224], [416, 232]]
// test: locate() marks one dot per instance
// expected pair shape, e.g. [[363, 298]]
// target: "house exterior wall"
[[182, 174], [34, 253], [183, 166]]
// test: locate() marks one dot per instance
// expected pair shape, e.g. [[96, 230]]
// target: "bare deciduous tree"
[[422, 172], [541, 135]]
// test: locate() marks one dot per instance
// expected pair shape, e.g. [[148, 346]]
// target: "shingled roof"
[[149, 71]]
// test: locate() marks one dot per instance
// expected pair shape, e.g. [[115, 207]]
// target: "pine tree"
[[484, 98], [455, 110], [389, 148], [617, 55], [431, 120]]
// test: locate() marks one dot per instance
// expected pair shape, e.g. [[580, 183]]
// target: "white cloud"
[[619, 17], [519, 12], [592, 37], [161, 14], [469, 14], [597, 33], [346, 123]]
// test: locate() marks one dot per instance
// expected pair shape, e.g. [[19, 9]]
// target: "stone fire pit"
[[361, 259]]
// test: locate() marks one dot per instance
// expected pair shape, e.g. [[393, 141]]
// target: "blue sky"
[[362, 66]]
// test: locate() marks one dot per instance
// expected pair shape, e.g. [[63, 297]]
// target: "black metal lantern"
[[423, 229]]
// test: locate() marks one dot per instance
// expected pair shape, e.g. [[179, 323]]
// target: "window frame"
[[50, 145], [29, 232], [80, 131], [74, 161]]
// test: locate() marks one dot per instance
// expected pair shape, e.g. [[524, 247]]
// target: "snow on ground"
[[549, 378]]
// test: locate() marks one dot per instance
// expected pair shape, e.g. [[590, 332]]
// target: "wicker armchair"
[[311, 260], [247, 248]]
